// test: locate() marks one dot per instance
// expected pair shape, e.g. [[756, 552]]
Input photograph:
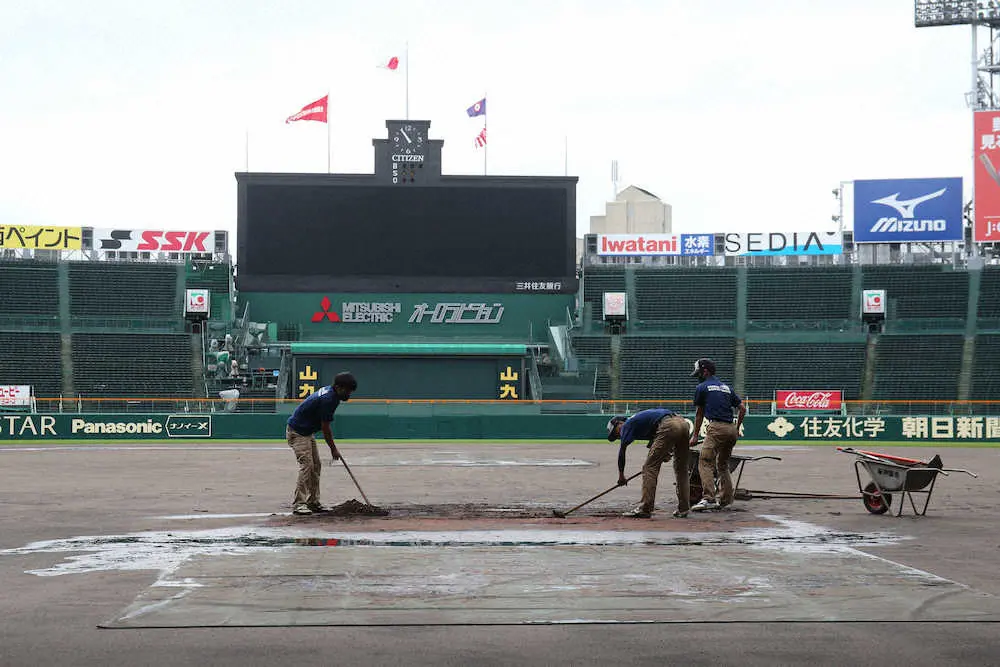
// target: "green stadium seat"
[[670, 294], [124, 290], [132, 365], [32, 358], [600, 279], [29, 289], [989, 295], [657, 367], [985, 377], [803, 366], [917, 367], [916, 292], [795, 293]]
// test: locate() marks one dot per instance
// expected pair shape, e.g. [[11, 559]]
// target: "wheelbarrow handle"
[[967, 472]]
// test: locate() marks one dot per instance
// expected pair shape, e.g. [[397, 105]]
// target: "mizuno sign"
[[916, 210]]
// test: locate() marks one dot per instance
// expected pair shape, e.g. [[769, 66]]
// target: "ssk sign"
[[816, 401], [153, 240]]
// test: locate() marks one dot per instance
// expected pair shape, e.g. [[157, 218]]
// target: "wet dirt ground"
[[191, 555]]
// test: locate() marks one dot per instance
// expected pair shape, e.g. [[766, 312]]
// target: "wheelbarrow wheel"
[[875, 502]]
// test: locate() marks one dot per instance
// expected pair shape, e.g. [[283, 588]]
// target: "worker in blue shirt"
[[314, 414], [667, 433], [715, 401]]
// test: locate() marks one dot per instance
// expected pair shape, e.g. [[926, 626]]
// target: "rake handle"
[[354, 479]]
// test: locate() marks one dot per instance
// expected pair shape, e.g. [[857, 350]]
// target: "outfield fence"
[[118, 404]]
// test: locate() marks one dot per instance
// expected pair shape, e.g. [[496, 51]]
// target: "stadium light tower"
[[983, 95]]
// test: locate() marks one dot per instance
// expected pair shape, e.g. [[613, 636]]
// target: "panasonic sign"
[[914, 210]]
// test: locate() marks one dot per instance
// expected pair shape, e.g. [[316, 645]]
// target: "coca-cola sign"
[[817, 400]]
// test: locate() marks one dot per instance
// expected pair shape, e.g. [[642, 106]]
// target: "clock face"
[[408, 140]]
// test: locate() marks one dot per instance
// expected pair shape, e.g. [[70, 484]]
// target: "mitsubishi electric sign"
[[911, 210]]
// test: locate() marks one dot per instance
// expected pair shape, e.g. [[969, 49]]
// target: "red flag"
[[481, 139], [314, 111], [393, 64]]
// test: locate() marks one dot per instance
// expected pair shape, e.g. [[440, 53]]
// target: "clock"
[[408, 139]]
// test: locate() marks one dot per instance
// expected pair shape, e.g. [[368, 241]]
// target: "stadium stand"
[[816, 293], [924, 367], [32, 358], [594, 349], [596, 281], [155, 365], [109, 290], [214, 278], [657, 367], [772, 366], [670, 294], [985, 379], [989, 295], [920, 291], [30, 290]]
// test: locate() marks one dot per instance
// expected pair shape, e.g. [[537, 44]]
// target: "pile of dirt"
[[355, 507]]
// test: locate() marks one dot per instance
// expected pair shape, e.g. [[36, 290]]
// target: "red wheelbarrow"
[[896, 474]]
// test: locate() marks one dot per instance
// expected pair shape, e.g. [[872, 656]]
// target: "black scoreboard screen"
[[389, 238]]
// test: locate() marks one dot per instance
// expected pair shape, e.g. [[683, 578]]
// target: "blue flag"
[[477, 109]]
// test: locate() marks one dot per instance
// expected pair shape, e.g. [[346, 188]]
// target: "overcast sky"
[[741, 114]]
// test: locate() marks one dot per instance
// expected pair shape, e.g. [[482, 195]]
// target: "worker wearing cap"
[[715, 401], [667, 433]]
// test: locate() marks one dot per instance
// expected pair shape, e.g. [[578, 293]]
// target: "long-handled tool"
[[348, 468], [563, 515]]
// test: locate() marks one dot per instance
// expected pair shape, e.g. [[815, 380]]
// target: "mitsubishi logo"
[[907, 206], [326, 312]]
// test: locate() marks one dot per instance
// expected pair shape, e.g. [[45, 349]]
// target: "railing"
[[80, 404]]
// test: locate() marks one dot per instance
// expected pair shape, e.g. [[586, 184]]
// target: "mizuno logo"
[[907, 206]]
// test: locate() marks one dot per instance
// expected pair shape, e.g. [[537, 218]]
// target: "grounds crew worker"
[[667, 433], [312, 415], [715, 401]]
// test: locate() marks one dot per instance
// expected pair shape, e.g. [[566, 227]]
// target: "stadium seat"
[[32, 358], [124, 290], [29, 289], [803, 366], [132, 365], [815, 293], [600, 279], [985, 379], [924, 367], [917, 292], [657, 367], [676, 294]]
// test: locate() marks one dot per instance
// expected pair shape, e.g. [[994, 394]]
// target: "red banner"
[[809, 399], [986, 170], [314, 111]]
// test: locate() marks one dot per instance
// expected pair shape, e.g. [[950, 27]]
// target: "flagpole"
[[565, 155], [406, 72], [246, 148], [328, 132], [485, 143]]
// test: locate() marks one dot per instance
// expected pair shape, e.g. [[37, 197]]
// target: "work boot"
[[638, 513], [302, 510]]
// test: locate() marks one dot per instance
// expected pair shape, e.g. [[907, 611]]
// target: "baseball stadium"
[[149, 378], [489, 360]]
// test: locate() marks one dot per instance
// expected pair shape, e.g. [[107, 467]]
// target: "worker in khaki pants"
[[312, 415], [667, 434], [715, 401]]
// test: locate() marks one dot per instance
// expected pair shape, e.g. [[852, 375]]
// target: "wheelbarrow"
[[896, 474]]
